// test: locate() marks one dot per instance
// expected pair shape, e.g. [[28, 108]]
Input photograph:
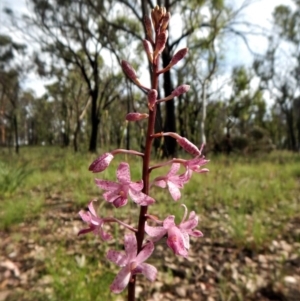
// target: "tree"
[[279, 70], [12, 69], [72, 34], [118, 16]]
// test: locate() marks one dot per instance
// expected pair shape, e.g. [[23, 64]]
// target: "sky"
[[259, 12]]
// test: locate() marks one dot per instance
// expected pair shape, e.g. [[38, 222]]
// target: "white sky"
[[260, 12]]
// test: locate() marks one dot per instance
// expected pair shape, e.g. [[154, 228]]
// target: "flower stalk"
[[137, 249]]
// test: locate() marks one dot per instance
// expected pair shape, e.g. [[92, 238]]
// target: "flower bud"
[[165, 21], [148, 27], [180, 90], [148, 49], [152, 96], [188, 146], [128, 70], [160, 43], [101, 163], [179, 55], [157, 14], [136, 116]]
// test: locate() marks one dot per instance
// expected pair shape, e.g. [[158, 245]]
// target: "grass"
[[246, 199]]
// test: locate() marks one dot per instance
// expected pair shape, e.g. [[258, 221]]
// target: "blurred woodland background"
[[248, 115]]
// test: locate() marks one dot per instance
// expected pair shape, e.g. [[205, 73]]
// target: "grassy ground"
[[249, 209]]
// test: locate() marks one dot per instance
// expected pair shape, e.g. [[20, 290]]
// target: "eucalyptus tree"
[[12, 70], [200, 25], [279, 70], [71, 35]]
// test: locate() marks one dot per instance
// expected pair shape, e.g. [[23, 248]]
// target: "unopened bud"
[[180, 90], [179, 55], [152, 96], [136, 116], [128, 70], [189, 146], [101, 163], [160, 43], [165, 21], [148, 27], [149, 50], [157, 14]]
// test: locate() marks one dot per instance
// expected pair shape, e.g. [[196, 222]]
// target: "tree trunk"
[[203, 116], [94, 123], [170, 119], [15, 121], [76, 132], [290, 128]]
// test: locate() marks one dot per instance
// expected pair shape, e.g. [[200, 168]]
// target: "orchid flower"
[[173, 181], [94, 221], [131, 263], [117, 193], [178, 236]]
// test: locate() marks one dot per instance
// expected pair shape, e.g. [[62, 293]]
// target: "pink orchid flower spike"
[[173, 181], [94, 221], [117, 193], [178, 236], [131, 263]]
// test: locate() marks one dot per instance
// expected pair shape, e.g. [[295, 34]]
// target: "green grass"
[[245, 200]]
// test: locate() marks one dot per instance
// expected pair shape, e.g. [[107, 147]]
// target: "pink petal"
[[105, 236], [107, 185], [197, 162], [174, 191], [176, 242], [137, 186], [186, 239], [149, 271], [169, 222], [87, 230], [140, 198], [123, 173], [120, 202], [91, 208], [174, 168], [117, 257], [111, 196], [156, 232], [85, 216], [160, 183], [130, 245], [145, 252], [195, 233], [121, 280], [191, 223]]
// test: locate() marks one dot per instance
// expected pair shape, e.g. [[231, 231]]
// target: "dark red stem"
[[146, 173]]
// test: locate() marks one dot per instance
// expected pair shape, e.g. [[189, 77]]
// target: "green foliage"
[[243, 201], [77, 277], [12, 177]]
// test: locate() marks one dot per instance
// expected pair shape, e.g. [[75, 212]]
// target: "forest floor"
[[42, 258], [215, 270]]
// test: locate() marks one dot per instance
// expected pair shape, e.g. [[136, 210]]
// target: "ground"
[[215, 269]]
